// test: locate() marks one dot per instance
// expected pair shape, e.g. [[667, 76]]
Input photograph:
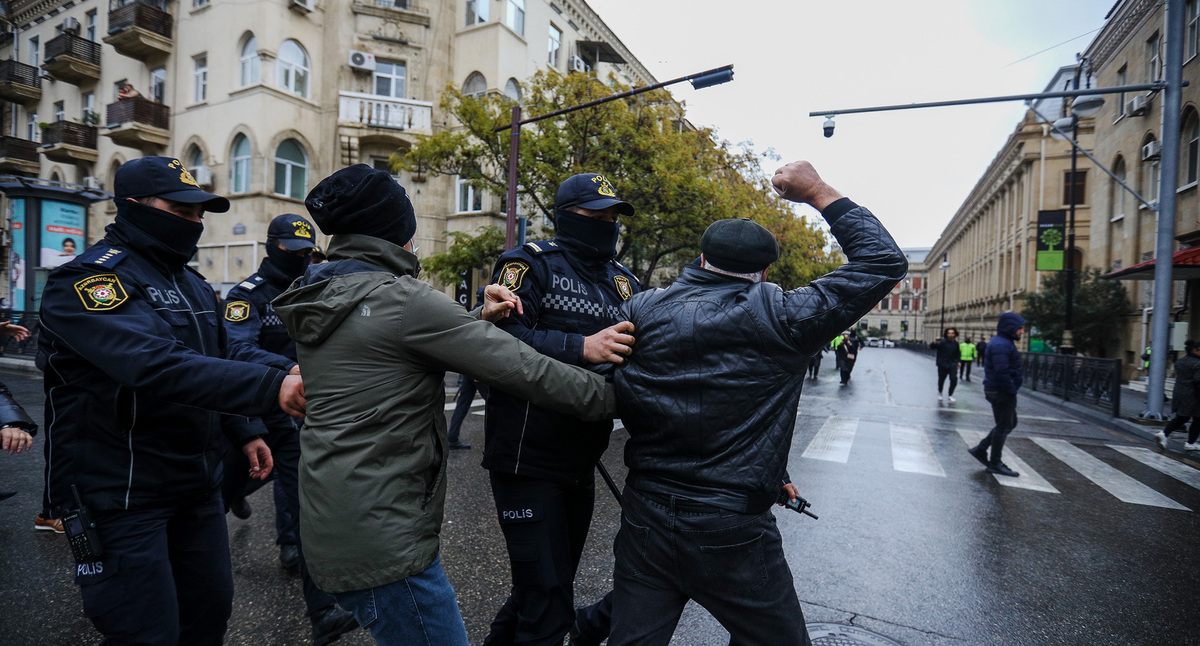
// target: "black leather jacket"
[[709, 396]]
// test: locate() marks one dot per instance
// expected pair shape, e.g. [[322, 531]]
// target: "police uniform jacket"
[[709, 396], [131, 345], [565, 298], [255, 333]]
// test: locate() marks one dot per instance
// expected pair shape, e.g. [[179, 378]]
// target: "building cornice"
[[1126, 21]]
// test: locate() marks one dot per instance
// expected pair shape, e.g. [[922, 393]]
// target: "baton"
[[612, 486]]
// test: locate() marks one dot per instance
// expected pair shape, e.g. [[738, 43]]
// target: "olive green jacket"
[[374, 344]]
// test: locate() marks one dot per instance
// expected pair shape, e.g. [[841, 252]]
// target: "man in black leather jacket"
[[709, 399]]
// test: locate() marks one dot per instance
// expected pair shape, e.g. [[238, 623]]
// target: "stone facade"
[[902, 313]]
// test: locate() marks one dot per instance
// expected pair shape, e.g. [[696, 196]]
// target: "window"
[[384, 164], [1119, 194], [239, 179], [34, 53], [250, 68], [194, 157], [475, 85], [1122, 79], [199, 3], [1150, 177], [392, 4], [90, 20], [90, 116], [512, 90], [389, 79], [32, 127], [117, 87], [60, 111], [291, 169], [515, 17], [883, 305], [1154, 58], [477, 12], [293, 68], [555, 45], [1192, 37], [469, 199], [1190, 133], [1078, 188], [883, 327], [904, 304], [158, 84]]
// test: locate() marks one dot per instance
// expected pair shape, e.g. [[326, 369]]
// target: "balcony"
[[138, 122], [372, 111], [19, 156], [20, 83], [70, 143], [72, 59], [139, 30]]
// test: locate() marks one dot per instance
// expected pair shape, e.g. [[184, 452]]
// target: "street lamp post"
[[942, 314]]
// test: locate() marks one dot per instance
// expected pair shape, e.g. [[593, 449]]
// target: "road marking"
[[1158, 462], [832, 443], [912, 452], [474, 403], [1029, 479], [1123, 487], [949, 408]]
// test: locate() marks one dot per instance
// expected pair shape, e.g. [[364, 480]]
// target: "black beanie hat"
[[361, 199], [741, 246]]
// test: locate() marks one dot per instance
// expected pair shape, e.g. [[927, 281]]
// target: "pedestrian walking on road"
[[814, 364], [980, 346], [1001, 380], [1185, 401], [967, 352], [947, 359], [16, 427], [847, 354]]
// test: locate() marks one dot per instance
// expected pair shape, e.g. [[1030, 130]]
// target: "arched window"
[[293, 68], [239, 173], [1151, 170], [1119, 197], [475, 85], [1190, 155], [251, 65], [194, 157], [512, 90], [291, 170]]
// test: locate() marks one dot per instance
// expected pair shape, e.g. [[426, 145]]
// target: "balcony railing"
[[16, 72], [141, 15], [385, 112], [140, 110], [15, 148], [72, 46], [70, 134]]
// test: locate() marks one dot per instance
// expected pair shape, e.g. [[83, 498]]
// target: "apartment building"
[[901, 315], [260, 99]]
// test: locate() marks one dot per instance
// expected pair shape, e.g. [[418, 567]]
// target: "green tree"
[[467, 253], [679, 178], [878, 333], [1096, 307]]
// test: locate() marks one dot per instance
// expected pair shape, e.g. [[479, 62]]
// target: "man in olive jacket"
[[374, 344]]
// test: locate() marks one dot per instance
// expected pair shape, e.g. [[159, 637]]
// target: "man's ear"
[[764, 272]]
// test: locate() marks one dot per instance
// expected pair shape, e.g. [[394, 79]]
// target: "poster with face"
[[62, 232]]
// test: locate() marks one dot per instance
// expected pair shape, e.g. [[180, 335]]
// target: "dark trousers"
[[671, 550], [462, 405], [845, 367], [164, 578], [285, 452], [964, 370], [1177, 423], [545, 524], [1004, 412], [943, 372], [814, 366]]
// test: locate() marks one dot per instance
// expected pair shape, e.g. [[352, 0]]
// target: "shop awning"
[[1185, 265]]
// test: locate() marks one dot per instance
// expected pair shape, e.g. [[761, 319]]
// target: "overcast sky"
[[913, 168]]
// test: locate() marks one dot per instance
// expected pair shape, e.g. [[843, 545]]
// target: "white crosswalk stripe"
[[1159, 462], [912, 452], [1029, 479], [1123, 487], [833, 441]]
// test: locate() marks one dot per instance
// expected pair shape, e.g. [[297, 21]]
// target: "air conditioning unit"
[[92, 183], [1138, 105], [202, 175], [301, 6], [362, 61], [69, 26], [580, 65], [1151, 150]]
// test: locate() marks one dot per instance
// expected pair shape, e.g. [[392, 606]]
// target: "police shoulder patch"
[[236, 311], [624, 288], [109, 257], [101, 293], [512, 274], [537, 248]]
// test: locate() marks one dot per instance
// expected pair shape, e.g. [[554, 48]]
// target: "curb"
[[19, 365], [1095, 417]]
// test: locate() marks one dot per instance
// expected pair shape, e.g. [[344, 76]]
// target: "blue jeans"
[[418, 611]]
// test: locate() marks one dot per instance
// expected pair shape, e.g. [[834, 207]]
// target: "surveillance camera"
[[828, 126]]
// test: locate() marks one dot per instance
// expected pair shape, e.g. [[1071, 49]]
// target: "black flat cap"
[[741, 246]]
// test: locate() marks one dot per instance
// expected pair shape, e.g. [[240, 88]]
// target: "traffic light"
[[903, 326]]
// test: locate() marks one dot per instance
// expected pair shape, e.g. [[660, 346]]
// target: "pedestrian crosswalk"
[[913, 452]]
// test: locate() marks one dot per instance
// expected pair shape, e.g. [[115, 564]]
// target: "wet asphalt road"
[[915, 541]]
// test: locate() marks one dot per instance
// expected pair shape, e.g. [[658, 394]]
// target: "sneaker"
[[240, 508], [951, 399], [330, 624], [941, 398], [1162, 439], [459, 445], [1191, 446], [1002, 469], [48, 524], [979, 454]]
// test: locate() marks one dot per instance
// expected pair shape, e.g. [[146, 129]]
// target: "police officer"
[[543, 463], [135, 390], [257, 335]]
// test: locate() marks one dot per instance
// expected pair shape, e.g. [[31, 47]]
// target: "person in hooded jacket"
[[138, 397], [1002, 375], [542, 460], [374, 442], [256, 334], [948, 354], [1185, 401]]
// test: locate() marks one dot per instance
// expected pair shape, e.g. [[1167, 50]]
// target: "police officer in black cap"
[[543, 463], [256, 334], [131, 346]]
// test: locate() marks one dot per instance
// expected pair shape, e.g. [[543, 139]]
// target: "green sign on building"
[[1051, 239]]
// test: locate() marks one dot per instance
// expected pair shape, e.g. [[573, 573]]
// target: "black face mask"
[[591, 238], [289, 264], [178, 237]]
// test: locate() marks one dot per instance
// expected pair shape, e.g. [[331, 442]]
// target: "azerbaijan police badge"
[[623, 287], [236, 311], [101, 293], [512, 274]]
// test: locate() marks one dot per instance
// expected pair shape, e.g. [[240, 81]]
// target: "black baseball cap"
[[590, 191], [292, 231], [164, 177]]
